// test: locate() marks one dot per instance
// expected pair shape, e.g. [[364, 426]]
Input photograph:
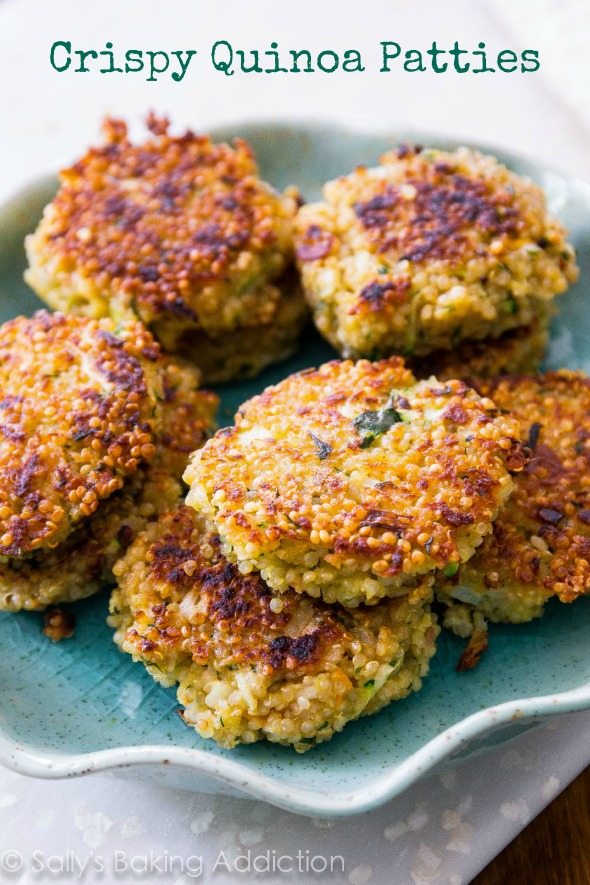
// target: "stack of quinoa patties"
[[182, 234], [93, 426], [292, 593], [454, 261], [446, 258], [540, 545]]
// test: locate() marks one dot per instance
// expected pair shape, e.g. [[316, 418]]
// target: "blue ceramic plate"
[[81, 706]]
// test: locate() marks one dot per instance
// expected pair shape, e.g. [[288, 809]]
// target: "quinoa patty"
[[540, 544], [77, 418], [352, 481], [176, 231], [249, 665], [82, 564], [518, 352], [188, 418], [246, 351], [428, 249]]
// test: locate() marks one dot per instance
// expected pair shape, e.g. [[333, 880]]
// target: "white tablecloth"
[[448, 827], [441, 832]]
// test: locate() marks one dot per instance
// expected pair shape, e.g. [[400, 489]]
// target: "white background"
[[47, 118], [447, 828]]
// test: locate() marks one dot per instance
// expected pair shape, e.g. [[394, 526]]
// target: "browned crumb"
[[58, 624], [477, 645]]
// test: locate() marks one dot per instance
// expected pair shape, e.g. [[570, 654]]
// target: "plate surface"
[[81, 706]]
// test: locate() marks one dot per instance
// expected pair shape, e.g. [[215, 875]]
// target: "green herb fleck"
[[323, 448], [370, 425], [533, 437], [510, 306], [369, 683], [396, 664], [450, 569]]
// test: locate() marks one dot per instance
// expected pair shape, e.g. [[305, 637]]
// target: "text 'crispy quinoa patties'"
[[249, 665], [81, 563], [178, 232], [540, 544], [352, 481], [426, 250]]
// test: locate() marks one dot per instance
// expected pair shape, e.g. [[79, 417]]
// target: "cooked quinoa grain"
[[428, 249], [352, 481], [251, 666], [187, 417], [248, 350], [540, 544], [82, 564], [176, 231]]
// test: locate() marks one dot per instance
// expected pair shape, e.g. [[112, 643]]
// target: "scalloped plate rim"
[[296, 799]]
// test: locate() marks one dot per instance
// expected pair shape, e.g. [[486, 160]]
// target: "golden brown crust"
[[355, 474], [231, 618], [172, 171], [76, 419], [178, 230], [82, 564], [435, 212], [428, 249], [540, 545], [250, 666], [188, 417]]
